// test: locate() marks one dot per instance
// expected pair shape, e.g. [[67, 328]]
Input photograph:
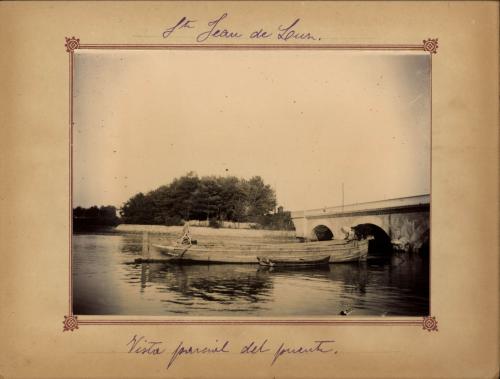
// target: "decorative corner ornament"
[[430, 324], [70, 323], [72, 44], [431, 45]]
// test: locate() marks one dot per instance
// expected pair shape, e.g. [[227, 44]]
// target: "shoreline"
[[205, 231]]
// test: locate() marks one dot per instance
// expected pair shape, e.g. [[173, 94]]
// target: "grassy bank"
[[201, 232]]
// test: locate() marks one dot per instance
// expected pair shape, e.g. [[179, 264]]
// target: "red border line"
[[71, 183], [248, 322], [430, 185], [367, 47], [416, 47]]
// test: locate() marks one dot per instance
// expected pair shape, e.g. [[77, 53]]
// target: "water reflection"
[[105, 284], [225, 284]]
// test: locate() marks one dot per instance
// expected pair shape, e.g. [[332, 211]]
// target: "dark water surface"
[[103, 284]]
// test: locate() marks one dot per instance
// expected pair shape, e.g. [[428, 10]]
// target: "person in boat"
[[350, 233], [186, 234]]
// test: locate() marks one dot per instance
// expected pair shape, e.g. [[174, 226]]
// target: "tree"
[[260, 198], [233, 198], [139, 209], [208, 200], [182, 195], [94, 217]]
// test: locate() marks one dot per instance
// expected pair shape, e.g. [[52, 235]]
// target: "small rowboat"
[[293, 262]]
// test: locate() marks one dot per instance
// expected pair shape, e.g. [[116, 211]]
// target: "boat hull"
[[293, 262], [337, 250]]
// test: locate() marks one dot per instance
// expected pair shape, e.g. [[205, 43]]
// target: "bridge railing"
[[367, 206]]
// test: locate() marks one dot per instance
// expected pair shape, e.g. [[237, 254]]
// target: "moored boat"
[[336, 250], [293, 261]]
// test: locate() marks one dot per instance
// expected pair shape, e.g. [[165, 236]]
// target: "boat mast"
[[342, 197]]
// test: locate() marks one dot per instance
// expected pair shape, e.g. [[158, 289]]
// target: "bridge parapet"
[[421, 201]]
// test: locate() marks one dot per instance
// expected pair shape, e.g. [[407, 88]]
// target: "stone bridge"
[[404, 221]]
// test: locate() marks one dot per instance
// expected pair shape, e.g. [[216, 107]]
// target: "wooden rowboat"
[[337, 250], [293, 262]]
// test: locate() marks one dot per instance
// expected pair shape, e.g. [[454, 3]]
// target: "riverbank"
[[203, 231]]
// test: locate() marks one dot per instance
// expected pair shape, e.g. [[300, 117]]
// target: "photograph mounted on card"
[[249, 189]]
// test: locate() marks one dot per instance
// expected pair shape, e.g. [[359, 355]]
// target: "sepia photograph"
[[251, 183]]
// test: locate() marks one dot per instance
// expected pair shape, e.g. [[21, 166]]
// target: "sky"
[[306, 121]]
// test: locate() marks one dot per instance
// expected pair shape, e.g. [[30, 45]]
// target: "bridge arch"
[[381, 242], [378, 221], [321, 232]]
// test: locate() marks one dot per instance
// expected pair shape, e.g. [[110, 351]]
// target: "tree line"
[[94, 217], [213, 198]]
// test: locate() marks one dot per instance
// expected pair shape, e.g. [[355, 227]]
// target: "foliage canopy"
[[190, 197]]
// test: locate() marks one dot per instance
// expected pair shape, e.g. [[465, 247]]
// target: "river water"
[[105, 283]]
